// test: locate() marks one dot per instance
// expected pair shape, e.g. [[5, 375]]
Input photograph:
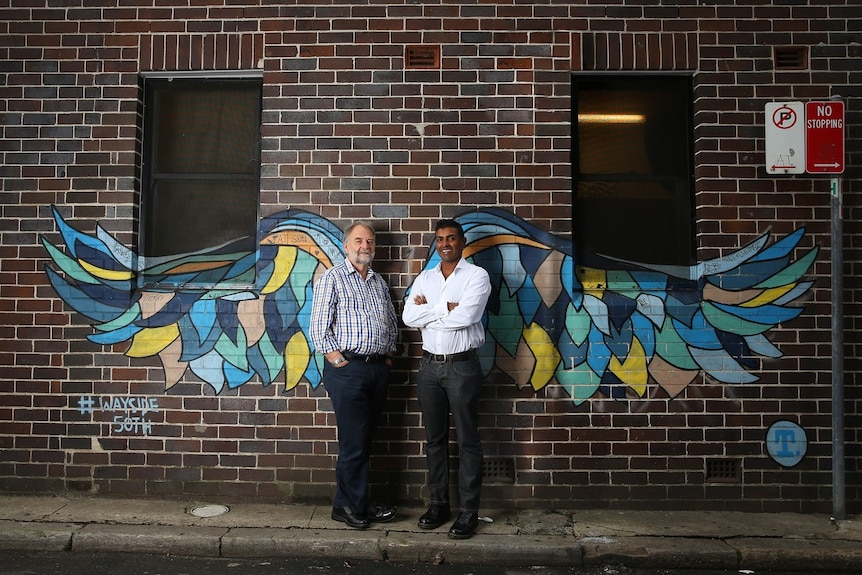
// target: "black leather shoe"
[[437, 515], [381, 513], [347, 515], [465, 526]]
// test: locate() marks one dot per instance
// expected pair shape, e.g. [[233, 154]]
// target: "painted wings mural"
[[606, 331], [222, 333], [612, 330]]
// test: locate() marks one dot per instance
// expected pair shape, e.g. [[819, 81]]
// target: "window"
[[201, 169], [632, 168]]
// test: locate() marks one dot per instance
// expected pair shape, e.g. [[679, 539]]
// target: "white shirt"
[[444, 331]]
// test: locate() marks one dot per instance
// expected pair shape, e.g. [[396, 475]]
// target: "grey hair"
[[352, 226]]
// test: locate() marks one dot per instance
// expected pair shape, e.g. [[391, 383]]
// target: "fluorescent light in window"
[[611, 118]]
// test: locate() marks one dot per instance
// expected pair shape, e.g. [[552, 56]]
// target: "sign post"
[[810, 138], [824, 154], [839, 508]]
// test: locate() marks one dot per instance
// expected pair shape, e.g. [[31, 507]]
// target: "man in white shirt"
[[446, 303]]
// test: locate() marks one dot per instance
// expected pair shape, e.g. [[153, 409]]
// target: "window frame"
[[151, 81], [684, 198]]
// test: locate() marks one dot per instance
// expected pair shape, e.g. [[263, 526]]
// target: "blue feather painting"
[[230, 317]]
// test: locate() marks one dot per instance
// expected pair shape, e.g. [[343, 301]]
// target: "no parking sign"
[[785, 138]]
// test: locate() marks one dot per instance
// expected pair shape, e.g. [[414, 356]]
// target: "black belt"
[[366, 358], [461, 356]]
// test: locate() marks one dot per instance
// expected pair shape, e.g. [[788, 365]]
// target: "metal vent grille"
[[500, 470], [790, 57], [723, 471], [422, 57]]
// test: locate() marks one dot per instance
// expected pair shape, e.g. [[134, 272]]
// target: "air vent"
[[499, 470], [723, 471], [790, 57], [422, 57]]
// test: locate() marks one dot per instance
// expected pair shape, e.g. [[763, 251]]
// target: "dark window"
[[201, 167], [632, 168]]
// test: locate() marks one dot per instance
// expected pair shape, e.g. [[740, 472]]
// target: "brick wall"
[[349, 133]]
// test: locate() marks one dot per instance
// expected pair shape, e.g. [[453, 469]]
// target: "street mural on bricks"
[[232, 317]]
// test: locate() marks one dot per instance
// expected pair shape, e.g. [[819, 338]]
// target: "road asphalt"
[[719, 540]]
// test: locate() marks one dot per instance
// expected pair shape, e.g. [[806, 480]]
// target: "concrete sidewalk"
[[644, 539]]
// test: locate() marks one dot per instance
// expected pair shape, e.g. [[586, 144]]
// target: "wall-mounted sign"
[[785, 138], [787, 443], [824, 137], [804, 137]]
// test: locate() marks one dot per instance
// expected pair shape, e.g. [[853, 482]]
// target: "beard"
[[361, 257]]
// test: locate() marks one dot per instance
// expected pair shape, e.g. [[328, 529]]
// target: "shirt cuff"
[[442, 309]]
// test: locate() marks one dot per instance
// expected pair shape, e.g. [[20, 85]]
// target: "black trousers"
[[358, 394]]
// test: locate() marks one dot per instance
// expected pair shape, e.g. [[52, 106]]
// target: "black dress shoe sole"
[[432, 525], [461, 535]]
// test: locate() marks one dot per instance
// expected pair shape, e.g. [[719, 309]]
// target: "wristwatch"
[[339, 361]]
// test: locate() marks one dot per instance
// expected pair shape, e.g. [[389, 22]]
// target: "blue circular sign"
[[787, 443]]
